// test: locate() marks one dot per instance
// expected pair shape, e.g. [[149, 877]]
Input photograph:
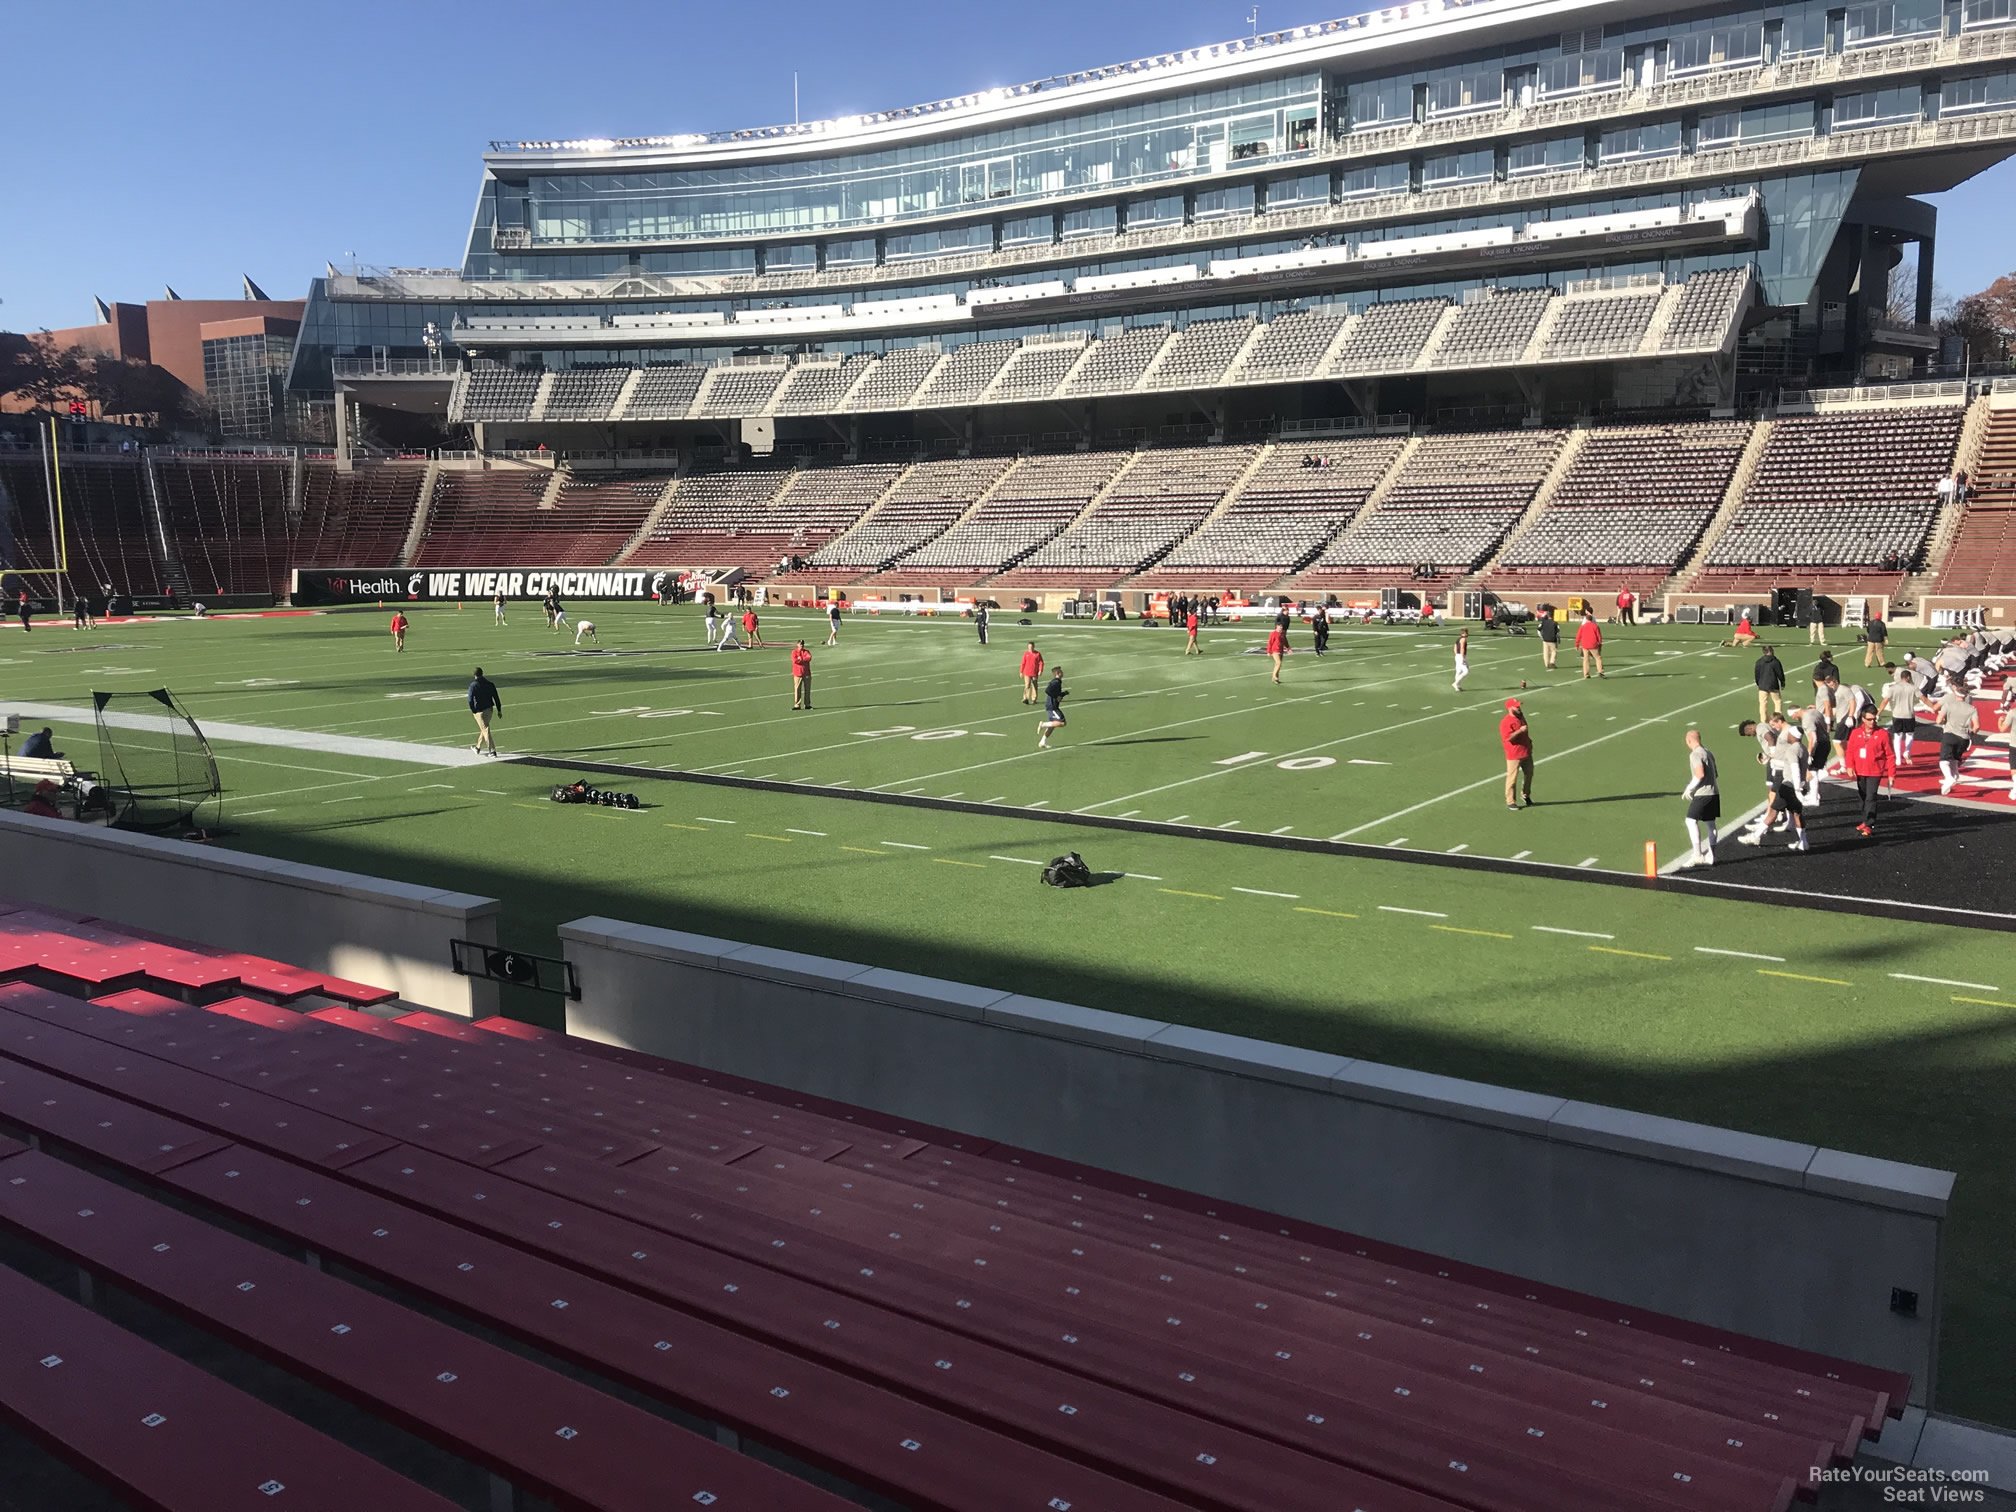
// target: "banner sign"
[[357, 585]]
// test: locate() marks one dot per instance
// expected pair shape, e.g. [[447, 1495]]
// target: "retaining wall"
[[1768, 1237], [386, 934]]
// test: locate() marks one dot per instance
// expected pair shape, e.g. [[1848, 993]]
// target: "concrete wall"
[[386, 934], [1785, 1241]]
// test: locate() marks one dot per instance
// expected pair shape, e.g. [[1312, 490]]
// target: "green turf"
[[1452, 971]]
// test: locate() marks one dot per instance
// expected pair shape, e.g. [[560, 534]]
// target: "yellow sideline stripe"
[[1794, 976], [1643, 955]]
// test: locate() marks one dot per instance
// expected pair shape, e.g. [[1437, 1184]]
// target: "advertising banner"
[[362, 585]]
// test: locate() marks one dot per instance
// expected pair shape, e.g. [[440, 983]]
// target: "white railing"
[[392, 367]]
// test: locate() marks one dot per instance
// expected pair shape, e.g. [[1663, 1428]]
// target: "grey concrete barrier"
[[1768, 1237], [386, 934]]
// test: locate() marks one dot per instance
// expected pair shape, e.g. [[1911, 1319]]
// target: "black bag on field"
[[571, 792], [1068, 871]]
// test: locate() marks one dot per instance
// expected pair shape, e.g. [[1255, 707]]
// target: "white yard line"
[[820, 834], [1260, 892], [1580, 934], [261, 735], [1424, 913], [1018, 860], [703, 819], [903, 845], [1741, 955], [1905, 976]]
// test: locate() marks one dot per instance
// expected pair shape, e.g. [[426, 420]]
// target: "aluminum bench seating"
[[163, 1432], [541, 1431]]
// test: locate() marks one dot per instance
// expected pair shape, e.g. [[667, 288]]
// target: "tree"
[[1900, 299], [1999, 303], [40, 371], [1972, 323]]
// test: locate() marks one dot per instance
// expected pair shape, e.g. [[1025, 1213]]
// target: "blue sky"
[[198, 140]]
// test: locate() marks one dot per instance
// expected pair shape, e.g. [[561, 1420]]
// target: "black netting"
[[153, 756]]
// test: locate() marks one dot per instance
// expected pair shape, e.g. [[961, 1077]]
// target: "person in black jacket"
[[484, 700], [1549, 630], [1053, 708], [1770, 678]]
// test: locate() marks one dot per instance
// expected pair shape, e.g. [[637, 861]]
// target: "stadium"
[[1480, 1062]]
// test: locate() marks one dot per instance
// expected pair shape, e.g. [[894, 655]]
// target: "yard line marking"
[[1741, 955], [1489, 934], [1643, 955], [705, 820], [903, 845], [762, 776], [780, 839], [1794, 976], [1580, 934], [1585, 863], [1457, 850], [1177, 820], [997, 798], [1394, 844], [948, 861], [1128, 815], [1142, 876], [255, 813], [359, 798], [1018, 860], [674, 824], [433, 787], [492, 793], [862, 850], [1260, 892], [1328, 913], [1177, 892], [1518, 856], [818, 834], [1039, 803], [950, 796], [1425, 913], [1229, 824], [1361, 761], [1281, 831], [1340, 836], [1980, 1002], [1905, 976]]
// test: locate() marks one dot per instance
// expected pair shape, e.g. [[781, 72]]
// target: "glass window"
[[1216, 204], [805, 256], [1374, 178], [1887, 20], [1584, 73], [1984, 92], [1482, 89], [1550, 155], [1648, 139], [1975, 13], [1030, 230], [1163, 210], [1717, 47], [1099, 220], [1308, 189], [851, 254], [1805, 33], [1447, 169], [1760, 123], [1878, 107], [1380, 102]]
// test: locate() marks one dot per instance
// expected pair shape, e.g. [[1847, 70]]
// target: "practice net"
[[153, 756]]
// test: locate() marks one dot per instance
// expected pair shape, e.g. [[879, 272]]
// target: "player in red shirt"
[[1190, 646], [1032, 668], [1589, 641], [1627, 604], [801, 677], [749, 627], [1517, 740], [1277, 646], [398, 629]]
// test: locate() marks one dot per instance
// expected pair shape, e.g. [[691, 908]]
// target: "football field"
[[1328, 862]]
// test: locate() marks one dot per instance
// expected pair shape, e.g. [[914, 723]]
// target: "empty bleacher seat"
[[1388, 338], [1600, 325], [1161, 497], [664, 393], [816, 388], [585, 393], [965, 373], [499, 393], [1493, 329], [1709, 305], [1035, 500], [1116, 363], [1290, 346], [1198, 355], [894, 379], [357, 518], [736, 391], [930, 496], [1035, 370]]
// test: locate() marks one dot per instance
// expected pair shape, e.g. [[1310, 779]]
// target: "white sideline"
[[264, 735]]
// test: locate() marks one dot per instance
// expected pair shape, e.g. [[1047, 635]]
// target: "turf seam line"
[[1691, 885]]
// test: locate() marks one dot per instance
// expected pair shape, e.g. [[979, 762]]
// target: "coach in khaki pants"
[[801, 677]]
